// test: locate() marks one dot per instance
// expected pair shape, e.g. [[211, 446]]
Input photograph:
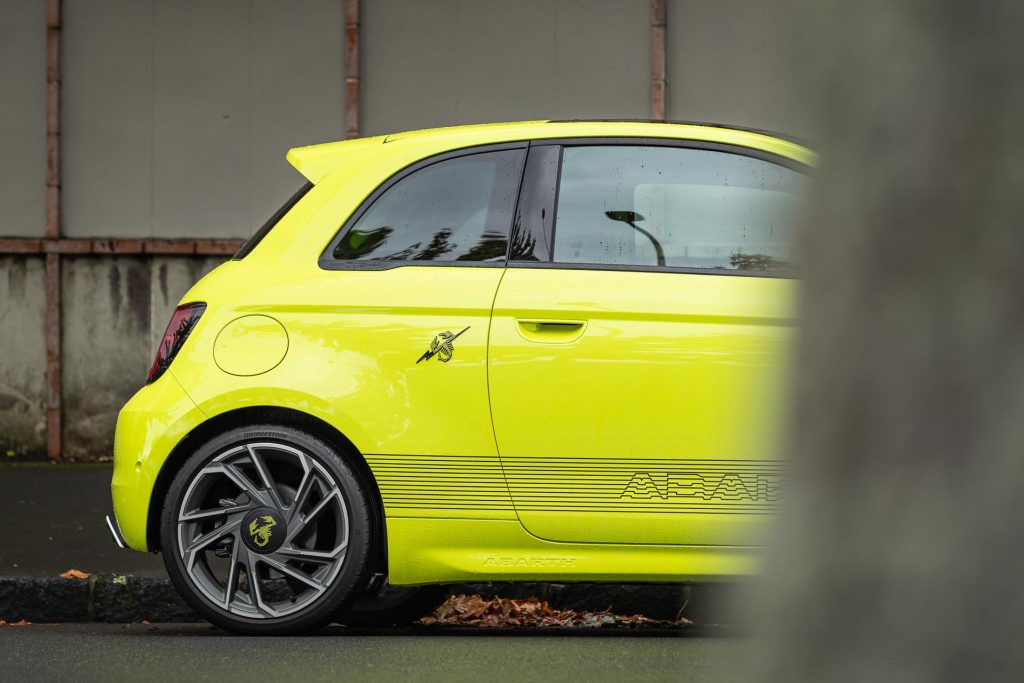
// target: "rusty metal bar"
[[53, 349], [658, 60], [20, 246], [53, 119], [197, 247], [352, 84], [53, 220]]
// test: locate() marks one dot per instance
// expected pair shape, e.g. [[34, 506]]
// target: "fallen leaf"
[[75, 574], [473, 610]]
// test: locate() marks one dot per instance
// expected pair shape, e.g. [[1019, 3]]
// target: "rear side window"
[[458, 209], [676, 207]]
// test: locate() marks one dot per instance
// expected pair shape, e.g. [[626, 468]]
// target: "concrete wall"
[[115, 312], [727, 62], [22, 356], [176, 115], [22, 118], [472, 61]]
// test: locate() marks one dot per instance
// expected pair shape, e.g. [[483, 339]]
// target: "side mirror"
[[631, 218], [624, 216]]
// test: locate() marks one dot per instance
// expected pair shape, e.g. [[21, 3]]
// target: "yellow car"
[[551, 350]]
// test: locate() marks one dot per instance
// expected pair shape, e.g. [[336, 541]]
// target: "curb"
[[99, 598], [121, 599]]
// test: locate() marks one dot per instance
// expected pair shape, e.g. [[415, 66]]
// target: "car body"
[[530, 390]]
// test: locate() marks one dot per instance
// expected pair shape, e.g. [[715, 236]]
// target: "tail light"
[[184, 319]]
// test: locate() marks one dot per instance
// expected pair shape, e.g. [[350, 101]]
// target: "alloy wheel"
[[262, 530]]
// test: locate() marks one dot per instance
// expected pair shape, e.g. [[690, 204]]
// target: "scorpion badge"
[[443, 346]]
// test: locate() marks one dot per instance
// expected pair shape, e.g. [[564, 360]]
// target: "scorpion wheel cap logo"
[[260, 532], [443, 346]]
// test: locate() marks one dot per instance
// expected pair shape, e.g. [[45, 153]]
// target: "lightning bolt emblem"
[[442, 346]]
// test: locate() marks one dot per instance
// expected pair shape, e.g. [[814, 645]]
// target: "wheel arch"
[[285, 417]]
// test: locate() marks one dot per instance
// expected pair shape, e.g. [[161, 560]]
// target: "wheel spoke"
[[294, 573], [301, 494], [314, 556], [324, 502], [210, 537], [211, 514], [297, 527], [268, 483], [255, 593], [232, 583], [242, 482]]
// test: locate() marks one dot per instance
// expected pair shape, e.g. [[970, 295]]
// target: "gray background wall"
[[176, 115], [22, 118], [473, 61]]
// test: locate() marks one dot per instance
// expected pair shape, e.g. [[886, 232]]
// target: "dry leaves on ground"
[[75, 574], [473, 610]]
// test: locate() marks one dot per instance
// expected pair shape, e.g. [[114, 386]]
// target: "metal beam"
[[53, 218], [197, 247], [658, 60], [352, 83]]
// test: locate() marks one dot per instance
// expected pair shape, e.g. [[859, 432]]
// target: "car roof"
[[317, 161]]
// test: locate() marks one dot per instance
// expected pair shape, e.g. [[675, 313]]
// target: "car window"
[[454, 210], [678, 207]]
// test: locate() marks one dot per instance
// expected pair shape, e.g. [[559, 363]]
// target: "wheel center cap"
[[263, 530]]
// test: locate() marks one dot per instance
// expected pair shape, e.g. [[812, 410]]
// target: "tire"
[[231, 514], [393, 605]]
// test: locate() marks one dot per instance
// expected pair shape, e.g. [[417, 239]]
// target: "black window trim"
[[327, 261], [562, 143], [275, 218]]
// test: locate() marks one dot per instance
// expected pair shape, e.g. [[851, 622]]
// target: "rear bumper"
[[149, 426]]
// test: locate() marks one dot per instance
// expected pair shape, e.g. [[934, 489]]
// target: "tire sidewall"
[[347, 584]]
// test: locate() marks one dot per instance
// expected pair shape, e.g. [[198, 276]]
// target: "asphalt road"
[[55, 512], [114, 652]]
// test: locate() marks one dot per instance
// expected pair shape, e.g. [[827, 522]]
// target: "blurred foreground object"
[[899, 554]]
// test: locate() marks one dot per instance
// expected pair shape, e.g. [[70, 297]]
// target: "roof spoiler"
[[316, 162]]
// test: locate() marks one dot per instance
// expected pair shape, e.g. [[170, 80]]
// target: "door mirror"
[[631, 218], [624, 216]]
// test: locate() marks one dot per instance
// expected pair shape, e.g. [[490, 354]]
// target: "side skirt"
[[423, 551]]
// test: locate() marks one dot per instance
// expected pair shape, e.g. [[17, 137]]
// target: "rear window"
[[265, 229], [458, 209]]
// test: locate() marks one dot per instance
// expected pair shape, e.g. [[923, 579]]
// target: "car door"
[[410, 280], [639, 340]]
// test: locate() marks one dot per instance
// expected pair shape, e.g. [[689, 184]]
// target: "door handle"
[[550, 331]]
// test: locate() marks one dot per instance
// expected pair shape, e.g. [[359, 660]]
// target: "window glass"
[[454, 210], [672, 206]]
